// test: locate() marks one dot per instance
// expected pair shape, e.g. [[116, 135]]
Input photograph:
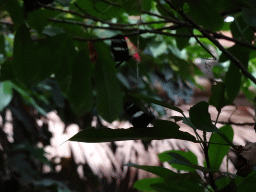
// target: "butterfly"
[[119, 49], [139, 118], [31, 5]]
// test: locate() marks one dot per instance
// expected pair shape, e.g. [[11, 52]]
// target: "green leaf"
[[177, 181], [249, 16], [230, 187], [159, 171], [80, 91], [200, 117], [5, 94], [99, 9], [157, 102], [232, 82], [146, 5], [25, 94], [15, 11], [240, 30], [109, 99], [179, 159], [37, 19], [248, 183], [157, 48], [188, 155], [218, 152], [178, 4], [233, 76], [163, 11], [144, 184], [162, 130], [26, 66], [222, 182], [182, 42], [217, 98], [206, 15], [7, 72], [2, 45], [185, 69]]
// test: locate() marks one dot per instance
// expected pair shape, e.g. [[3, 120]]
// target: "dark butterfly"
[[31, 5], [139, 118], [119, 49]]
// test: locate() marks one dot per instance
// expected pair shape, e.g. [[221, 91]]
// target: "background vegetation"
[[56, 56]]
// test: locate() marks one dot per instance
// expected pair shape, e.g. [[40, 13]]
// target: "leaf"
[[230, 187], [5, 94], [179, 159], [144, 184], [206, 15], [217, 98], [200, 117], [188, 155], [178, 181], [2, 45], [248, 183], [178, 4], [182, 42], [37, 19], [162, 130], [218, 152], [249, 16], [233, 82], [25, 64], [157, 102], [240, 30], [159, 171], [109, 99], [80, 91], [29, 99], [15, 10]]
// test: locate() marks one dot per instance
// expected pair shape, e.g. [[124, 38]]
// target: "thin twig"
[[217, 44]]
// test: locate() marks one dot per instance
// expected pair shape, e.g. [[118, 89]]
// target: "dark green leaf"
[[159, 171], [217, 98], [232, 82], [200, 117], [144, 184], [80, 91], [37, 19], [206, 15], [188, 155], [248, 183], [230, 187], [179, 159], [109, 98], [178, 4], [2, 45], [162, 130], [157, 102], [5, 94], [182, 42], [249, 16], [218, 152], [26, 67], [240, 30], [24, 92], [15, 11]]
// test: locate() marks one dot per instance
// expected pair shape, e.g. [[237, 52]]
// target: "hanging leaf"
[[109, 98], [5, 94]]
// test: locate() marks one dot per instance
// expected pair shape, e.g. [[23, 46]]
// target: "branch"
[[217, 44], [233, 123]]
